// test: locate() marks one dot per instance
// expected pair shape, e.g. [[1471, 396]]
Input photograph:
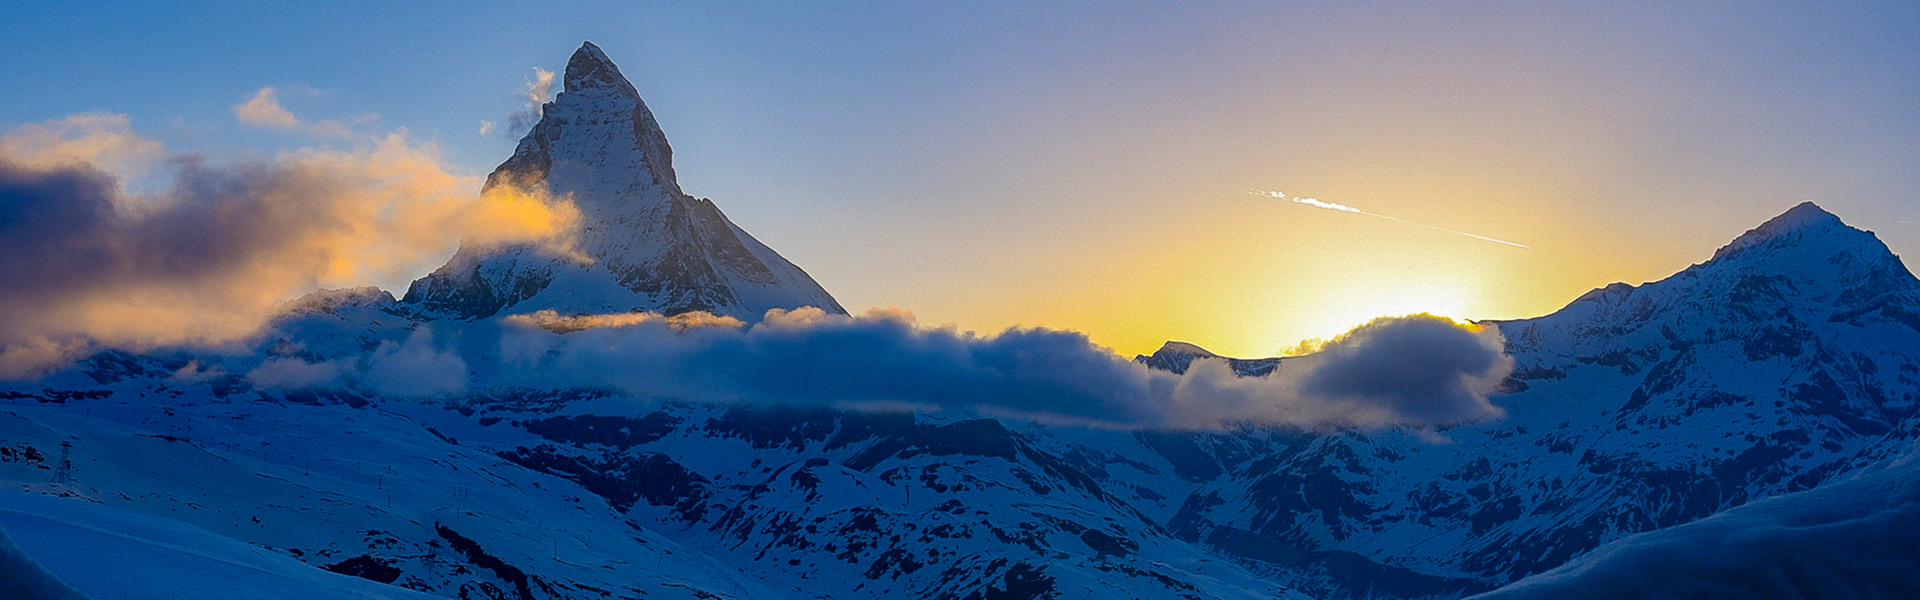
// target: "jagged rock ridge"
[[650, 245]]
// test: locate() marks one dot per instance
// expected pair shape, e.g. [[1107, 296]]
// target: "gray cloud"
[[1425, 368], [415, 368], [1417, 371], [84, 263], [537, 91]]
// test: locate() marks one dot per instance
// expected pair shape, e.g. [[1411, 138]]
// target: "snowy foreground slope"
[[1851, 538], [368, 447], [122, 554]]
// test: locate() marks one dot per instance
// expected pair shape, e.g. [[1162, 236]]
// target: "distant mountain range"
[[1768, 390]]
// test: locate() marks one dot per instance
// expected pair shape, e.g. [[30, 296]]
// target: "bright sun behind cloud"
[[1357, 305]]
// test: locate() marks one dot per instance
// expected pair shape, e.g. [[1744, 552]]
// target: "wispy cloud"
[[537, 91], [1318, 203], [264, 110]]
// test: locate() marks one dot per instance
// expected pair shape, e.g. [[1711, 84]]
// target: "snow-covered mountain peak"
[[590, 68], [1803, 219], [652, 246], [1802, 266], [597, 140], [1179, 347], [1176, 356], [1815, 254]]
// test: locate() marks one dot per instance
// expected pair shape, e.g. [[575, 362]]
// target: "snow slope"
[[113, 554], [325, 479], [23, 578], [1848, 539]]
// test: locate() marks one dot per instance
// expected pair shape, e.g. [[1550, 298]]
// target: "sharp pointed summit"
[[652, 247], [589, 68]]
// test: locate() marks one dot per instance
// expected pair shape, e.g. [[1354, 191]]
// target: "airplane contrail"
[[1318, 203]]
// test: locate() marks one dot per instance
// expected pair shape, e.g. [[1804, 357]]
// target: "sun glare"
[[1356, 307]]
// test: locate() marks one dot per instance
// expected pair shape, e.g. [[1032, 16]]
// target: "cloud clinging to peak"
[[537, 91]]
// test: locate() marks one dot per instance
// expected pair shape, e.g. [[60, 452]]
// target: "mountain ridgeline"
[[1752, 388], [649, 245]]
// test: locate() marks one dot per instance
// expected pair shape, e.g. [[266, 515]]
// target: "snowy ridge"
[[1176, 356], [650, 246]]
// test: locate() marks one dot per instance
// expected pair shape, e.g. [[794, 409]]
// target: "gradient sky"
[[1083, 165]]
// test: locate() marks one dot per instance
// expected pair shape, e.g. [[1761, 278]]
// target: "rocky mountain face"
[[1176, 357], [1787, 363], [649, 246]]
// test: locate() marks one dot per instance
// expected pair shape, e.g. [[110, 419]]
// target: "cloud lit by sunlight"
[[1359, 301], [553, 321], [104, 141], [207, 259], [264, 110]]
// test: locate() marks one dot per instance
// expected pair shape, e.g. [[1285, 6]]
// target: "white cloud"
[[294, 373], [415, 368], [537, 91], [264, 110], [101, 140]]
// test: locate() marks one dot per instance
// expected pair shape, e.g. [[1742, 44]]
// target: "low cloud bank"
[[1417, 370], [84, 263]]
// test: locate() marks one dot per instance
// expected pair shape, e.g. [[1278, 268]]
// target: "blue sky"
[[1080, 165]]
